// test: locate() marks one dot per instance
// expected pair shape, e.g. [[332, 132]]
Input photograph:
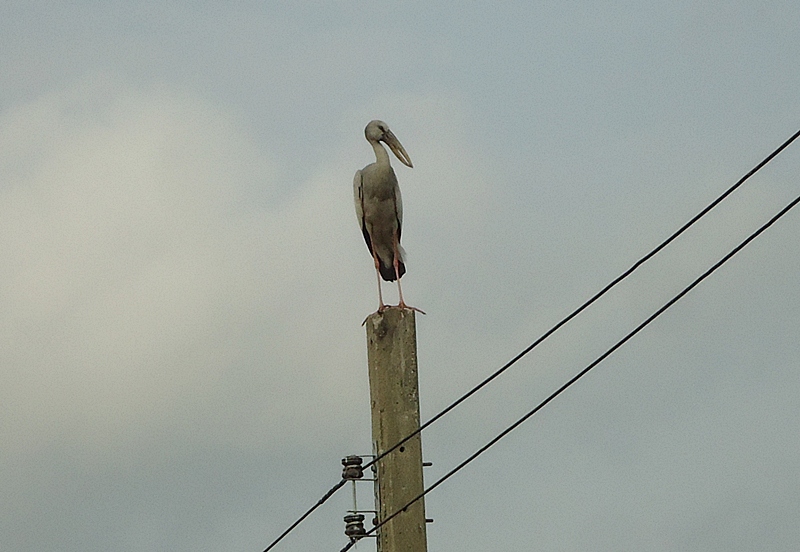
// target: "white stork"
[[379, 208]]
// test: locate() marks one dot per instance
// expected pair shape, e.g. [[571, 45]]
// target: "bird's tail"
[[387, 271]]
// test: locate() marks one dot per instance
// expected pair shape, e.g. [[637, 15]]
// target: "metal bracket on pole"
[[354, 520]]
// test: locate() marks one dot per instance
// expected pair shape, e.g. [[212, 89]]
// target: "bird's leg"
[[382, 306], [402, 303]]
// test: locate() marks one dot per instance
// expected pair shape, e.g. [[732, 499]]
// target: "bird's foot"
[[384, 308], [380, 310], [402, 305]]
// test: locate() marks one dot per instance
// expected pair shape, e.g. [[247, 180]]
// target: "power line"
[[319, 503], [586, 370], [594, 298], [552, 330]]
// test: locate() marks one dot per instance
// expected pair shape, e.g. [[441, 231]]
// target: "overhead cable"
[[594, 298], [552, 330], [586, 370], [319, 503]]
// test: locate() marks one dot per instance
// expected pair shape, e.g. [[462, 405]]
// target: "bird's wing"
[[398, 208], [358, 199]]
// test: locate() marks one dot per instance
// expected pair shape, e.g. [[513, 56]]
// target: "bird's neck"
[[381, 156]]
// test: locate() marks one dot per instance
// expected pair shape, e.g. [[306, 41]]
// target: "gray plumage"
[[379, 207]]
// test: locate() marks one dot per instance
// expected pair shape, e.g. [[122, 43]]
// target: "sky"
[[183, 361]]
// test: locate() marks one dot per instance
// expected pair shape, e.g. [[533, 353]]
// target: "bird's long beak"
[[397, 148]]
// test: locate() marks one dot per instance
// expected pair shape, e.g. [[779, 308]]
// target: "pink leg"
[[381, 307], [402, 304]]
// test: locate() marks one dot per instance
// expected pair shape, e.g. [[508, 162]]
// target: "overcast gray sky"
[[184, 280]]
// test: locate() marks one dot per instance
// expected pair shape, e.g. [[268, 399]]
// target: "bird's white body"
[[379, 207]]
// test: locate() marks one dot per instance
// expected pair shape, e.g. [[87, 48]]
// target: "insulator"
[[354, 526], [352, 467]]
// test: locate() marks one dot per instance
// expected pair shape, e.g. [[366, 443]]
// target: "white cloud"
[[148, 288]]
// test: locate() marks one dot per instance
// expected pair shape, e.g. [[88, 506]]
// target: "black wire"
[[594, 298], [586, 370], [552, 330], [319, 503]]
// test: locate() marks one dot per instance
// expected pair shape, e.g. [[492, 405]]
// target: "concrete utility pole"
[[394, 394]]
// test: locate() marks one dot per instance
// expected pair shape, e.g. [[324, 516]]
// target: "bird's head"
[[378, 131]]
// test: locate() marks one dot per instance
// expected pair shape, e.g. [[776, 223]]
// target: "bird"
[[379, 208]]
